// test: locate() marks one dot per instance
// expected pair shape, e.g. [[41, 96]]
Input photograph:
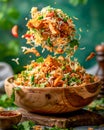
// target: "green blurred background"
[[89, 25]]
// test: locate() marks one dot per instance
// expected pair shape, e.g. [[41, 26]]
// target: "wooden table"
[[75, 119]]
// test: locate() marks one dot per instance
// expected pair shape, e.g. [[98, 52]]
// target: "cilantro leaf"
[[48, 42], [26, 125], [6, 102], [32, 80], [40, 17], [13, 93], [73, 43], [40, 59]]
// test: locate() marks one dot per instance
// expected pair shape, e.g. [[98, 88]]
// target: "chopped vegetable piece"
[[14, 31]]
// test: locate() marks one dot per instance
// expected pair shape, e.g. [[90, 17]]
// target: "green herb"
[[73, 43], [97, 105], [38, 69], [48, 42], [32, 80], [40, 59], [63, 78], [26, 125], [13, 93], [73, 71], [47, 75], [15, 76], [31, 67], [33, 29], [6, 102], [24, 74], [49, 8], [73, 79], [65, 19], [63, 67], [40, 17], [66, 76], [17, 88], [42, 85]]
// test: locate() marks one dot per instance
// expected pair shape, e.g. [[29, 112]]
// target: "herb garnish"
[[73, 80], [26, 125], [40, 17], [73, 43], [48, 42], [6, 102], [40, 59], [32, 80]]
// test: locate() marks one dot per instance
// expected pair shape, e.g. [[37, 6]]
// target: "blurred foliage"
[[6, 102], [77, 2], [96, 106], [9, 16], [10, 49]]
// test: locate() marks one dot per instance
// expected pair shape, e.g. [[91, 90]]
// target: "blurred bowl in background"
[[5, 71]]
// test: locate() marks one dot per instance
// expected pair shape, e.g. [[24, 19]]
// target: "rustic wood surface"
[[79, 118]]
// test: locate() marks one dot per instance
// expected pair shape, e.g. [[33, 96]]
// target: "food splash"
[[53, 30]]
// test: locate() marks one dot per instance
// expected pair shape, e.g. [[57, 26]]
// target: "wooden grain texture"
[[53, 99], [66, 120]]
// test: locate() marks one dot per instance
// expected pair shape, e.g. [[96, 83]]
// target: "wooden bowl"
[[53, 100], [8, 118]]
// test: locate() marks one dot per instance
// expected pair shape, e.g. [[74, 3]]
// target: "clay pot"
[[51, 100]]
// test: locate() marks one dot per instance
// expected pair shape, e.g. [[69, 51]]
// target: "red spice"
[[7, 114], [14, 31]]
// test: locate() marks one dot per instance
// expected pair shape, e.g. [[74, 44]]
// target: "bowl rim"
[[98, 80], [18, 114]]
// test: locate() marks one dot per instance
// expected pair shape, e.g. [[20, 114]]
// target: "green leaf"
[[73, 80], [13, 93], [41, 17], [26, 125], [17, 88], [4, 97], [73, 43], [77, 2], [48, 75], [48, 42], [6, 102], [40, 59], [32, 80], [63, 68]]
